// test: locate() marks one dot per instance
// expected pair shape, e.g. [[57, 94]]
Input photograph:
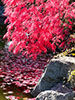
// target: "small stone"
[[10, 92], [7, 97], [74, 98], [5, 93]]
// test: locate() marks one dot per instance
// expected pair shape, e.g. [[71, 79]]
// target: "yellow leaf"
[[73, 54], [25, 98], [72, 74]]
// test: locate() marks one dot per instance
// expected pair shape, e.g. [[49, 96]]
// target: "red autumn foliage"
[[36, 26]]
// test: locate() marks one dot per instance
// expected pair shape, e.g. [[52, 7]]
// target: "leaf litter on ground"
[[21, 71]]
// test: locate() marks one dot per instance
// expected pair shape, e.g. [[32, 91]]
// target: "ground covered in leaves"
[[21, 71]]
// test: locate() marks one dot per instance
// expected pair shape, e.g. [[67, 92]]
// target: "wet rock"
[[54, 73], [54, 95]]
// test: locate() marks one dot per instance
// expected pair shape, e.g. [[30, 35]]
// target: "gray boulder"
[[54, 73], [54, 95], [61, 88]]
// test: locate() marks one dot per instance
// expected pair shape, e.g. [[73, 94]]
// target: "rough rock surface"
[[54, 73], [54, 95], [61, 88]]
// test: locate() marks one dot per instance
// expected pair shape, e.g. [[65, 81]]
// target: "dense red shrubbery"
[[36, 26]]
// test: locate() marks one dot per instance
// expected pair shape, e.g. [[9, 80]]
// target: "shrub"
[[71, 79], [36, 26]]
